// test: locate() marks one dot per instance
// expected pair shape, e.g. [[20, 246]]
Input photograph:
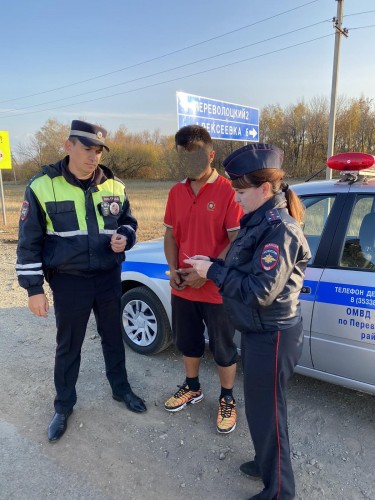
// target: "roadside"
[[109, 453]]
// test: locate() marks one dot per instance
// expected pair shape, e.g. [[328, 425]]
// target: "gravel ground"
[[109, 453]]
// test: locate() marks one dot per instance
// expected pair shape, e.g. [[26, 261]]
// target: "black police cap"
[[251, 158], [88, 134]]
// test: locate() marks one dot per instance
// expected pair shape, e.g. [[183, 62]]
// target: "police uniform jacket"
[[262, 275], [63, 226]]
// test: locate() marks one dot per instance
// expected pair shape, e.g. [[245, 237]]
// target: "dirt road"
[[109, 453]]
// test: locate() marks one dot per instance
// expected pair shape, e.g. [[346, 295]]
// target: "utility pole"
[[337, 24]]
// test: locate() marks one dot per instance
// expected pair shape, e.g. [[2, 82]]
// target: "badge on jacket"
[[114, 208], [104, 208], [110, 205], [270, 256]]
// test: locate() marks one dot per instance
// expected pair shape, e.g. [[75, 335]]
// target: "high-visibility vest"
[[68, 208]]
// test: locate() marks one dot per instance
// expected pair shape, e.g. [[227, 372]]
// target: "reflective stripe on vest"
[[66, 234]]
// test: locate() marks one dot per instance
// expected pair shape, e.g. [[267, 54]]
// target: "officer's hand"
[[176, 280], [201, 266], [38, 305], [192, 278], [118, 243]]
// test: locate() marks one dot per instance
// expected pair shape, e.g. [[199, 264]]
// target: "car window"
[[317, 211], [359, 248]]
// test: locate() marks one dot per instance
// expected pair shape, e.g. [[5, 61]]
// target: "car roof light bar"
[[351, 162]]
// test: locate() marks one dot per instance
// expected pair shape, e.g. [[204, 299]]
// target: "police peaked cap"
[[251, 158], [88, 134]]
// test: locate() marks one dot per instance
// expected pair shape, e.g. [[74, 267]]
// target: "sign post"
[[223, 120], [5, 164]]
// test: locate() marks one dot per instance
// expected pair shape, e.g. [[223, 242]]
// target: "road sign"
[[223, 120], [5, 156]]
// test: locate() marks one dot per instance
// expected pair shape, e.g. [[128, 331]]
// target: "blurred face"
[[251, 198], [83, 160], [195, 161]]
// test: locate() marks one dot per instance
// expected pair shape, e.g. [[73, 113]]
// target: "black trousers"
[[269, 359], [74, 299]]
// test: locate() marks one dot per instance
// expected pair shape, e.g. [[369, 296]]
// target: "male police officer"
[[75, 224]]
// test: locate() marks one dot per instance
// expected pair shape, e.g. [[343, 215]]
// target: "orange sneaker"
[[183, 397], [227, 415]]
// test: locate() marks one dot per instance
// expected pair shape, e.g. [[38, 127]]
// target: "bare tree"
[[46, 146]]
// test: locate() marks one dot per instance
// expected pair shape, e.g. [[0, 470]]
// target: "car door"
[[318, 209], [343, 317]]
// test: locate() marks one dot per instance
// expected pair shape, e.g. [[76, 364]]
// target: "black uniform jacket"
[[40, 253], [262, 275]]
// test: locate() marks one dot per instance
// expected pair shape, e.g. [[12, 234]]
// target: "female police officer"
[[260, 281]]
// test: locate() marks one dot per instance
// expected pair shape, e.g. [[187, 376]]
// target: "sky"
[[119, 63]]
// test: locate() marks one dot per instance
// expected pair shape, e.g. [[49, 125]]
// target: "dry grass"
[[147, 198]]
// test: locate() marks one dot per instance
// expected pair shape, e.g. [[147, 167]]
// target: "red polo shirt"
[[200, 225]]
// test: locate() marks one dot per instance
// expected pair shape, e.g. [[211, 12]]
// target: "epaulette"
[[273, 216]]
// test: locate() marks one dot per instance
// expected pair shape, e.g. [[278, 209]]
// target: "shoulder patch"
[[269, 256], [25, 210], [273, 216]]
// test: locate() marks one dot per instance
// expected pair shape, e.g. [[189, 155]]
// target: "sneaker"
[[183, 397], [227, 415]]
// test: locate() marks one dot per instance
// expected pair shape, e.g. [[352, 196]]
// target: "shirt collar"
[[214, 175]]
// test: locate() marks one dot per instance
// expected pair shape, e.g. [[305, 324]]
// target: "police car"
[[338, 296]]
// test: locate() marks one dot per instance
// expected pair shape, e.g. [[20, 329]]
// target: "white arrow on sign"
[[253, 132]]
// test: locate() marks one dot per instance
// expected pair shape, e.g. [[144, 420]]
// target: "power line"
[[170, 69], [359, 13], [363, 27], [162, 56], [173, 79]]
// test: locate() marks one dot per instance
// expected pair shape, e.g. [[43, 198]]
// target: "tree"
[[272, 125], [294, 133], [45, 147], [316, 134], [355, 125], [138, 155]]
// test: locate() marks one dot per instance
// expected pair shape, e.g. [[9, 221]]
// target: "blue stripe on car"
[[324, 292], [345, 294], [155, 271], [340, 294]]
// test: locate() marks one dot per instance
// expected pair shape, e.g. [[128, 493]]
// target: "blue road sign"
[[223, 120]]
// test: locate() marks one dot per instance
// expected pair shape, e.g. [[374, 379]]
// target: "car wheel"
[[144, 321]]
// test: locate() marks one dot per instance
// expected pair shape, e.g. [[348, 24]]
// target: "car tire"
[[144, 321]]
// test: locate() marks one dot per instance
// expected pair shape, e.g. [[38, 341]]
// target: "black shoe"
[[251, 469], [58, 425], [132, 402]]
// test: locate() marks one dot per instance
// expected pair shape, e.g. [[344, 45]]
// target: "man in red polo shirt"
[[201, 217]]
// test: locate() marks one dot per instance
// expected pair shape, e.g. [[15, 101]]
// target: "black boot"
[[58, 425], [251, 469]]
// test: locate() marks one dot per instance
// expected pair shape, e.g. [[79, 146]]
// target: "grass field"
[[147, 198]]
